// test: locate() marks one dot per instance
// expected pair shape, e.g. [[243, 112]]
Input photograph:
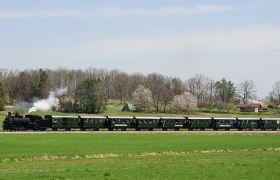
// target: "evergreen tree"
[[91, 97], [225, 90], [3, 94], [39, 88]]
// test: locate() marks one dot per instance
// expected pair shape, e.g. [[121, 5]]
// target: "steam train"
[[40, 123]]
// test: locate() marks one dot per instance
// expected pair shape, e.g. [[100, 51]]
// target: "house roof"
[[249, 106]]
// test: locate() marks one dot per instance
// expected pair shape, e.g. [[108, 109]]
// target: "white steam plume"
[[48, 104]]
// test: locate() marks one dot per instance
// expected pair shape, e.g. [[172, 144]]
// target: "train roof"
[[172, 118], [249, 119], [139, 117], [93, 117], [225, 118], [274, 119], [199, 118], [65, 116], [120, 117]]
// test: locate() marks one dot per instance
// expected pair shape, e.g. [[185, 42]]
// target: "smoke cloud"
[[21, 106], [51, 102]]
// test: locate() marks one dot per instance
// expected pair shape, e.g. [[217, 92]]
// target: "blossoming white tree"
[[142, 97], [185, 102]]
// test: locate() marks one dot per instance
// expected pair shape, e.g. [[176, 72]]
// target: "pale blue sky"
[[233, 39]]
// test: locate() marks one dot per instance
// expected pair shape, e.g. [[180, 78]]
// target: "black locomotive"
[[40, 123]]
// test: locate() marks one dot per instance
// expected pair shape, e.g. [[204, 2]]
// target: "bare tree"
[[177, 86], [185, 102], [155, 83], [167, 92], [134, 81], [247, 90], [121, 86], [274, 95], [197, 86]]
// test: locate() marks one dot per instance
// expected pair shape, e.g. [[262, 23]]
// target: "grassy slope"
[[139, 156]]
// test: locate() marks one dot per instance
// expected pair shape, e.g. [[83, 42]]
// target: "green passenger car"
[[225, 123], [175, 123], [93, 122], [199, 123], [64, 122], [120, 123], [148, 123], [250, 123], [270, 123]]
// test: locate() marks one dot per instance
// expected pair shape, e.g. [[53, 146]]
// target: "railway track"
[[147, 132]]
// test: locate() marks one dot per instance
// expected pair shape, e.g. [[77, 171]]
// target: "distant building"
[[250, 108]]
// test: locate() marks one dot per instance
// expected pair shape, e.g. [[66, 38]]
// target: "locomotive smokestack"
[[9, 114]]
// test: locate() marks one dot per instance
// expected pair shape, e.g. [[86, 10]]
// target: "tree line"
[[89, 90]]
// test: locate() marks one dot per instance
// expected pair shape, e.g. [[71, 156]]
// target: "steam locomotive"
[[40, 123]]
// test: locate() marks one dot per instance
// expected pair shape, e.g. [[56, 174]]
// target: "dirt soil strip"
[[148, 132]]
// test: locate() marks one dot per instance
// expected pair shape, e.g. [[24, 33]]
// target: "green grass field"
[[139, 156]]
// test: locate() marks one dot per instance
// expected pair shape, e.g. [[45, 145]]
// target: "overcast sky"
[[237, 39]]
